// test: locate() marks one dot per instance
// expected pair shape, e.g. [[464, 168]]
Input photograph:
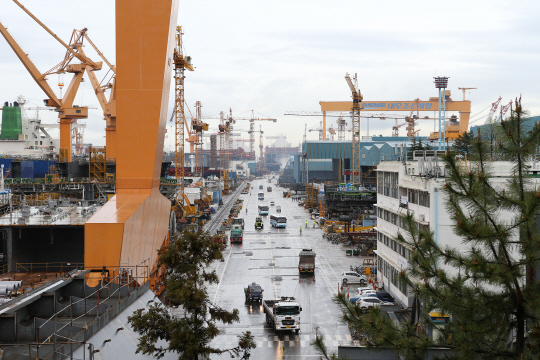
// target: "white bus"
[[278, 221]]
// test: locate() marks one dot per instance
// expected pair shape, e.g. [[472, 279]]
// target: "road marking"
[[221, 278]]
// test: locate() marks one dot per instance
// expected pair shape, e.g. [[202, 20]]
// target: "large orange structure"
[[134, 223], [453, 129]]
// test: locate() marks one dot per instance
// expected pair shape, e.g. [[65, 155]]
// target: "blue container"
[[27, 169], [42, 168]]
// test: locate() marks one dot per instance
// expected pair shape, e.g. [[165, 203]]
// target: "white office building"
[[414, 187]]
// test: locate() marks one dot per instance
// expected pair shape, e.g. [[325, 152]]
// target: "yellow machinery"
[[97, 164], [311, 196]]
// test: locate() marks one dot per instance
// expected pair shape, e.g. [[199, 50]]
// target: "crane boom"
[[111, 66], [79, 56], [32, 69]]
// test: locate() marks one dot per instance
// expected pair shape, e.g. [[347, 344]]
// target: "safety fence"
[[32, 267], [116, 284]]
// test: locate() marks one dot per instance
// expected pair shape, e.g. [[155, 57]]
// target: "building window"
[[424, 198]]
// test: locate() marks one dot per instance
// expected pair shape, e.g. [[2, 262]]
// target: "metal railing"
[[47, 266], [124, 277], [33, 349]]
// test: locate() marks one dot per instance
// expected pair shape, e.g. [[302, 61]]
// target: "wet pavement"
[[270, 258]]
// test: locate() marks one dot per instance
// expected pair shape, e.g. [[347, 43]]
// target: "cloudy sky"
[[279, 56]]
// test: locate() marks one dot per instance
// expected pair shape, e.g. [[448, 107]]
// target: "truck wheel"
[[344, 281], [297, 331]]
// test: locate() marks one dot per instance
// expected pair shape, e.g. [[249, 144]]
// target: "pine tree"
[[187, 259], [463, 143], [489, 291]]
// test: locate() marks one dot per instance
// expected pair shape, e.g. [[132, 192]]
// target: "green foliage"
[[490, 290], [464, 143], [186, 260]]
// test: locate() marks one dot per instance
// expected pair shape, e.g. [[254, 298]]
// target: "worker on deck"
[[300, 229], [306, 224], [314, 222]]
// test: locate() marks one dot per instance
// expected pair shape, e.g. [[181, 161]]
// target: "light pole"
[[440, 83]]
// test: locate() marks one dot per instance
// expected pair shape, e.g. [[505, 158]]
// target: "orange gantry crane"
[[68, 113]]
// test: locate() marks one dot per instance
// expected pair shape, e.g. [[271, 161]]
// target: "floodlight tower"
[[441, 83]]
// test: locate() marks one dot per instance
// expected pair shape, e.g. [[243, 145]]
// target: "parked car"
[[360, 297], [362, 289], [351, 277], [367, 291], [368, 303], [384, 296]]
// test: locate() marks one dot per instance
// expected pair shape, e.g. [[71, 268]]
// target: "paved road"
[[270, 258]]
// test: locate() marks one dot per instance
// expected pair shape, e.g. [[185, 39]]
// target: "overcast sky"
[[278, 56]]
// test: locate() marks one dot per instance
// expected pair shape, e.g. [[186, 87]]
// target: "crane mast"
[[197, 126], [180, 64], [357, 99], [341, 128], [261, 148]]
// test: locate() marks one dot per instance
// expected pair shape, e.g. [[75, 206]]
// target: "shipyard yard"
[[270, 258], [183, 189]]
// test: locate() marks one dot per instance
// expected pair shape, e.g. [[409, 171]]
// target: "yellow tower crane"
[[198, 126], [357, 99], [180, 64]]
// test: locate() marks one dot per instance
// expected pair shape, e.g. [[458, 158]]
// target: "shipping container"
[[27, 169]]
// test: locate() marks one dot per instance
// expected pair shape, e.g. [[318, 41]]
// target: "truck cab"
[[236, 234], [283, 314], [253, 292], [238, 221]]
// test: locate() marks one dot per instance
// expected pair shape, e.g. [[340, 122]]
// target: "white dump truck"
[[283, 314]]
